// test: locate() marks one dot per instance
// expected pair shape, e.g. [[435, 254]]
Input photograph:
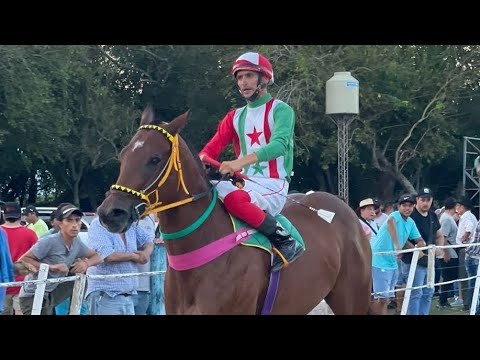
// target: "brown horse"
[[157, 168]]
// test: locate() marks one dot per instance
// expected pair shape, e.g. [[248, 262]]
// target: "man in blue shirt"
[[393, 235], [121, 254]]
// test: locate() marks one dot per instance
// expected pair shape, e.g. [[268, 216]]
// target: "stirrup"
[[280, 255], [280, 265]]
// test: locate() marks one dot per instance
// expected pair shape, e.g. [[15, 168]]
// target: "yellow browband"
[[173, 162]]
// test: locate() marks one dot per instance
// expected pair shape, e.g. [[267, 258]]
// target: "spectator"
[[472, 256], [366, 214], [429, 227], [158, 261], [142, 299], [392, 235], [64, 307], [20, 240], [380, 217], [54, 222], [6, 265], [65, 253], [466, 227], [121, 254], [34, 222], [449, 258]]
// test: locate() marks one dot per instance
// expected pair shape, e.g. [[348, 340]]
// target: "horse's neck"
[[216, 226]]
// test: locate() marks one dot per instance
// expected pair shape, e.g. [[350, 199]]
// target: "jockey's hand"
[[230, 167]]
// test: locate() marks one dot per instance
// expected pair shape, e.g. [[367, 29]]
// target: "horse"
[[159, 173]]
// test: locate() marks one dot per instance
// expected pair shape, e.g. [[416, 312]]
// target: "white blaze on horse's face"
[[138, 144]]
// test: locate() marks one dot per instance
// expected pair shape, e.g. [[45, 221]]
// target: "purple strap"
[[271, 292]]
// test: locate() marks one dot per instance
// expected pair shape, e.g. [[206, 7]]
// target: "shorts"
[[384, 281]]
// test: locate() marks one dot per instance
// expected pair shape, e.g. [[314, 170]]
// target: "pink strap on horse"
[[199, 257]]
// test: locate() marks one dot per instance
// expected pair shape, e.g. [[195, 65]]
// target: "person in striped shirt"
[[262, 136]]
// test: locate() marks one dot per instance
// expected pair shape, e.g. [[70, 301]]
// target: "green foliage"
[[66, 111]]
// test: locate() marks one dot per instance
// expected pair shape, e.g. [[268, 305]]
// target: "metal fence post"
[[431, 267], [411, 276], [77, 294], [40, 290]]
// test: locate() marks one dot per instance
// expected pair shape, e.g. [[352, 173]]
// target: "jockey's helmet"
[[255, 62]]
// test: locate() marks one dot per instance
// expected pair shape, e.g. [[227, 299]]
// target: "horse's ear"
[[177, 124], [147, 115]]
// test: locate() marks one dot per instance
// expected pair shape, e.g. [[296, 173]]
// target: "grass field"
[[436, 311], [454, 311]]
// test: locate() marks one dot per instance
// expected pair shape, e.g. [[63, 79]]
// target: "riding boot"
[[282, 240]]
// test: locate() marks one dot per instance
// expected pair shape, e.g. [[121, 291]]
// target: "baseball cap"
[[29, 209], [366, 202], [12, 211], [66, 210], [425, 192], [406, 198]]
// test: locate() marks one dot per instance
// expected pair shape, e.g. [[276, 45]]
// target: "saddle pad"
[[261, 241]]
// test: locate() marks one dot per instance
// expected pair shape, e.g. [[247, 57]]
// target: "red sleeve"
[[224, 136]]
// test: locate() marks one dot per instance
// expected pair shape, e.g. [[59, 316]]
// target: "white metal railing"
[[80, 280], [78, 287], [431, 274]]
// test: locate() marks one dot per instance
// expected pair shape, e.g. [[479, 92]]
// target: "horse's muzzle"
[[115, 220]]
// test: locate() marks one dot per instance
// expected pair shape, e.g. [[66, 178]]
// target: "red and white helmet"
[[255, 62]]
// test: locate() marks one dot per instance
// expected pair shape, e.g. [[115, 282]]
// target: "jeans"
[[471, 264], [100, 303], [3, 291], [420, 299], [64, 308], [140, 302]]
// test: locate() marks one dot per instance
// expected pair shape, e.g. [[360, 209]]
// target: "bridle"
[[151, 200]]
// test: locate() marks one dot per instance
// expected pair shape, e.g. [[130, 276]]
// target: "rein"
[[152, 199]]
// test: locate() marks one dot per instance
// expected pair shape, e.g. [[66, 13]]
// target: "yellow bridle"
[[173, 163]]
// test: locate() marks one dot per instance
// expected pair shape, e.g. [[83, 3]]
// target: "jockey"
[[262, 136]]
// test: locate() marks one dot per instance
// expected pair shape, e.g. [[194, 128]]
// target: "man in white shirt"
[[466, 227]]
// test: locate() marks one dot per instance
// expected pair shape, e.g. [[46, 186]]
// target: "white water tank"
[[342, 94]]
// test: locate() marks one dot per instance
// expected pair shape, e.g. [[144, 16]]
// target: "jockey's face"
[[247, 82]]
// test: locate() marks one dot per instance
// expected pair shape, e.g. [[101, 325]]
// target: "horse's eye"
[[154, 160]]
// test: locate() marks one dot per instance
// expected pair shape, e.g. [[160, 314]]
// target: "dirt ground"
[[324, 309]]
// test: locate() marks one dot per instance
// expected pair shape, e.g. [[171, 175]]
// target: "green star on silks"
[[258, 168]]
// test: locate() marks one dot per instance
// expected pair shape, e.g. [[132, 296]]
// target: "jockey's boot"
[[282, 240]]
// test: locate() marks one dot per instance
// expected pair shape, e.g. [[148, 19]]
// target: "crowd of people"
[[411, 223], [26, 247]]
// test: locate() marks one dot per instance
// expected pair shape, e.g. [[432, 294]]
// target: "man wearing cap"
[[429, 228], [393, 235], [366, 214], [65, 253], [34, 222]]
